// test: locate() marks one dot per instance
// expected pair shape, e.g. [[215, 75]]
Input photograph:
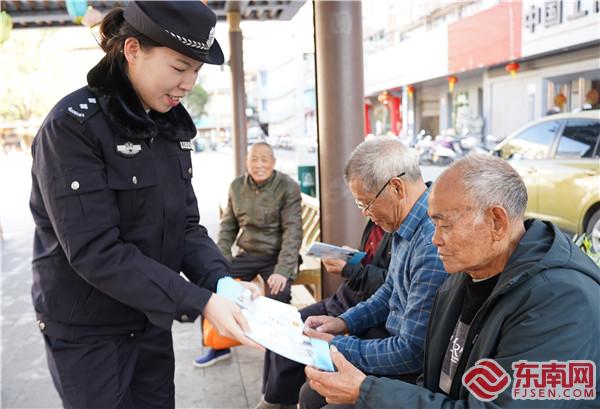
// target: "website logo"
[[486, 380], [554, 380], [533, 380]]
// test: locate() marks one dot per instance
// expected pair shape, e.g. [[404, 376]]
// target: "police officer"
[[116, 216]]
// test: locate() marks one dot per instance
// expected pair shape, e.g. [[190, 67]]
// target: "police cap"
[[184, 26]]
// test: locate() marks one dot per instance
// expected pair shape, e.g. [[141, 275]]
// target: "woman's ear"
[[131, 49]]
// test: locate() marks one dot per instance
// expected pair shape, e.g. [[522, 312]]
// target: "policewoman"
[[116, 216]]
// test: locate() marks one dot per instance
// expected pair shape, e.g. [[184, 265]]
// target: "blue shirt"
[[403, 302]]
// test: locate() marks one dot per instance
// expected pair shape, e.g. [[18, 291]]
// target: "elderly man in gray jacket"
[[517, 325]]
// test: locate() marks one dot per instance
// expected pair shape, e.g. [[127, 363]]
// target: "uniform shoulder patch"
[[83, 110]]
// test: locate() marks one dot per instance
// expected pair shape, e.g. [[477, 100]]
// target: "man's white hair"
[[491, 181], [378, 159]]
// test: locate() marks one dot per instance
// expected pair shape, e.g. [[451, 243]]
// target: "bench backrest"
[[311, 227]]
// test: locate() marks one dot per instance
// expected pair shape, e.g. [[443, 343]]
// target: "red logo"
[[486, 380]]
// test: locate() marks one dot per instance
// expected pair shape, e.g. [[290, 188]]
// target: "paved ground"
[[24, 378]]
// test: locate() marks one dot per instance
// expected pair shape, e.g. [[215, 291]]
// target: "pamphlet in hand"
[[277, 326], [324, 250]]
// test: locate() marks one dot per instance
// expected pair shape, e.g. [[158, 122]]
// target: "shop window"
[[579, 139]]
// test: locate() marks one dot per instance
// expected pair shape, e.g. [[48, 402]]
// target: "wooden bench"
[[309, 273]]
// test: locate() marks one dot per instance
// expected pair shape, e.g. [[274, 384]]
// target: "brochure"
[[324, 250], [277, 326]]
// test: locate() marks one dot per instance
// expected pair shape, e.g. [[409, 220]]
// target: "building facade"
[[485, 66]]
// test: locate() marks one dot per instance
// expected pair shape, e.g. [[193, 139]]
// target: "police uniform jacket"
[[116, 215]]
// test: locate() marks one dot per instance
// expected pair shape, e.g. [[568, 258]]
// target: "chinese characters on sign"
[[554, 12]]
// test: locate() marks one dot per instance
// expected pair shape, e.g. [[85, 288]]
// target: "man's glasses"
[[365, 207]]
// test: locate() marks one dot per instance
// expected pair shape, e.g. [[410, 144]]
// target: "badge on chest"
[[186, 145], [129, 149]]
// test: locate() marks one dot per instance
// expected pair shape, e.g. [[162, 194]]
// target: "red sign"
[[490, 37]]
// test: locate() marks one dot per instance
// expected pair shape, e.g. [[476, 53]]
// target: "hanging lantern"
[[77, 9], [384, 97], [410, 90], [6, 25], [512, 68], [452, 80]]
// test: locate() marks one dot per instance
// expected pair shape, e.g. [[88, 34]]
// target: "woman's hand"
[[228, 319], [252, 287], [276, 283]]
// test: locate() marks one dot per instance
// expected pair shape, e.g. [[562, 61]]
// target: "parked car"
[[558, 157]]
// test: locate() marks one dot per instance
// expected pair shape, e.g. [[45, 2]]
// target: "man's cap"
[[187, 27]]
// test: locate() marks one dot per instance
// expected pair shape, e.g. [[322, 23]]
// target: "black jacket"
[[116, 215]]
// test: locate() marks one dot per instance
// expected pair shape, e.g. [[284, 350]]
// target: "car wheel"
[[593, 231]]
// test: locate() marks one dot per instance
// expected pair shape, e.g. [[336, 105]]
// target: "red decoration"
[[452, 80], [560, 100], [410, 90], [367, 113], [512, 68]]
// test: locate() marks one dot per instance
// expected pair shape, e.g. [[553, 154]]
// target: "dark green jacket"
[[264, 220], [545, 306]]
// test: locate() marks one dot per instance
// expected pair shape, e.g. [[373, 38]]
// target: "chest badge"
[[186, 145], [128, 149]]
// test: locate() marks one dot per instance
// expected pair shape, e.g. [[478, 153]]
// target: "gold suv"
[[558, 157]]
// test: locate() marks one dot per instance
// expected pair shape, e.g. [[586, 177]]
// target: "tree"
[[196, 101]]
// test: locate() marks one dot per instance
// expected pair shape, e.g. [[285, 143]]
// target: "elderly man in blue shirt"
[[386, 183]]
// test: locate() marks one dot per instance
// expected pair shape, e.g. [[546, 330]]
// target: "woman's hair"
[[114, 30]]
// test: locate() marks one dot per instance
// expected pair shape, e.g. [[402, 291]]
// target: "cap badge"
[[211, 37]]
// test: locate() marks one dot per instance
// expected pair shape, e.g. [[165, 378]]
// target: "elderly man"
[[385, 180], [520, 296], [263, 219]]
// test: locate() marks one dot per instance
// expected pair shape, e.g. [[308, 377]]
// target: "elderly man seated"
[[385, 180], [522, 302], [263, 220]]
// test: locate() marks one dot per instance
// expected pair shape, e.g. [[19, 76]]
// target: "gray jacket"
[[264, 220], [545, 306]]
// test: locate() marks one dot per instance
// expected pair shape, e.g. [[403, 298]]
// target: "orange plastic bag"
[[211, 337]]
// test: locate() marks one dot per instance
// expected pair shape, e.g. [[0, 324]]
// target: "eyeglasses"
[[365, 207]]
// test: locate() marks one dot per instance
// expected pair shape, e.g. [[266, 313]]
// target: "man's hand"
[[341, 387], [333, 265], [325, 324], [276, 283], [252, 287], [228, 319], [309, 332]]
